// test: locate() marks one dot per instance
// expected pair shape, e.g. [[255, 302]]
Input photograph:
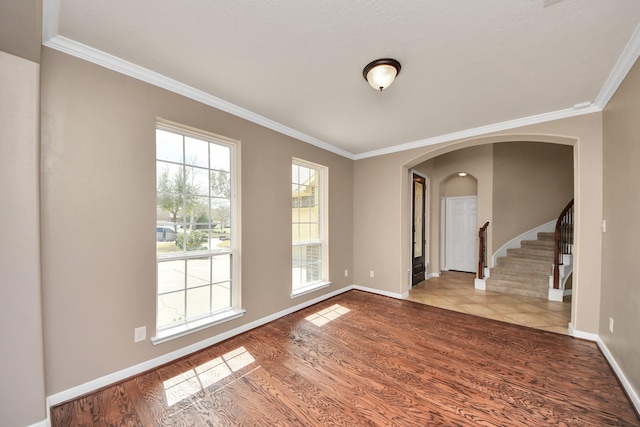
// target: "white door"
[[462, 233]]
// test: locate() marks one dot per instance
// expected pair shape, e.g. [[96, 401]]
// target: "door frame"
[[444, 237], [426, 225]]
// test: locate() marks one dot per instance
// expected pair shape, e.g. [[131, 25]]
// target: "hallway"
[[455, 291]]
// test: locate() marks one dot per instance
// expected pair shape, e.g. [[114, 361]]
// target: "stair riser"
[[537, 244], [515, 266], [531, 254], [541, 280]]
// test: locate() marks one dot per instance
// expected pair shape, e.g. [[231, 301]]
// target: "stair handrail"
[[482, 249], [563, 241]]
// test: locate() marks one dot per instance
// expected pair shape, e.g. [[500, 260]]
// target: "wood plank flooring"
[[360, 359]]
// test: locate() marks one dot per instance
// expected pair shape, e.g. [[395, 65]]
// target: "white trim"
[[123, 374], [43, 423], [127, 68], [51, 39], [129, 372], [527, 235], [309, 289], [395, 295], [480, 284], [582, 335], [482, 130], [196, 325], [631, 393], [626, 60]]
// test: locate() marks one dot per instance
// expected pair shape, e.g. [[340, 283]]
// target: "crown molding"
[[127, 68], [484, 130], [51, 12], [626, 60]]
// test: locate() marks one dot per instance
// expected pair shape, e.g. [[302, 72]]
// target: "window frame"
[[323, 220], [169, 332]]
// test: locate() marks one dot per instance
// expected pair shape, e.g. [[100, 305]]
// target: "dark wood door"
[[419, 193]]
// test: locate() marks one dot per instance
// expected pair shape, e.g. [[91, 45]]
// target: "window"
[[195, 245], [308, 226]]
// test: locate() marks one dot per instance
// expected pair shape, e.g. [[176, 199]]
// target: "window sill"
[[310, 288], [196, 325]]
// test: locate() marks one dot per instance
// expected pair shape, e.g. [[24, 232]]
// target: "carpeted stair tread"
[[525, 270]]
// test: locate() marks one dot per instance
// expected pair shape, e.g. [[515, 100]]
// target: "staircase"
[[525, 270]]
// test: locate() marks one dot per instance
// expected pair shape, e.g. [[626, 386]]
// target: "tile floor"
[[455, 291]]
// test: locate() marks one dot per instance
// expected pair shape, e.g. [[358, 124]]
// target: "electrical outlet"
[[140, 334], [611, 324], [371, 273], [346, 273]]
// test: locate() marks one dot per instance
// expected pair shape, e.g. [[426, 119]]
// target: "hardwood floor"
[[360, 359]]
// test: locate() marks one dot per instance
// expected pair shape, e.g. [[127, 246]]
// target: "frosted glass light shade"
[[381, 73]]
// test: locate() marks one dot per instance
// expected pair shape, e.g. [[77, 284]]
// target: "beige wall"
[[98, 200], [620, 297], [21, 28], [527, 180], [381, 195], [459, 186], [441, 170], [22, 394], [532, 183]]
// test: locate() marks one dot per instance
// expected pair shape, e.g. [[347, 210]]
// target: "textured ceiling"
[[465, 63]]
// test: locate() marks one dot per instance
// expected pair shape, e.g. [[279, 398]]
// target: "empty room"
[[367, 213]]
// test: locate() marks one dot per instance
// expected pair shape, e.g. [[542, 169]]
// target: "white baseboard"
[[633, 395], [123, 374], [480, 284], [582, 335], [129, 372], [395, 295], [115, 377]]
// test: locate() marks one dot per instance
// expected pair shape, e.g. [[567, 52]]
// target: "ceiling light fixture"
[[381, 73], [462, 174]]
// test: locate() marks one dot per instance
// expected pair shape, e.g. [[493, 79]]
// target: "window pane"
[[198, 210], [306, 226], [196, 152], [168, 146], [221, 269], [170, 309], [221, 214], [196, 240], [220, 158], [193, 192], [220, 184], [221, 296], [295, 233], [198, 272], [197, 181], [198, 302], [297, 259], [171, 276], [314, 231]]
